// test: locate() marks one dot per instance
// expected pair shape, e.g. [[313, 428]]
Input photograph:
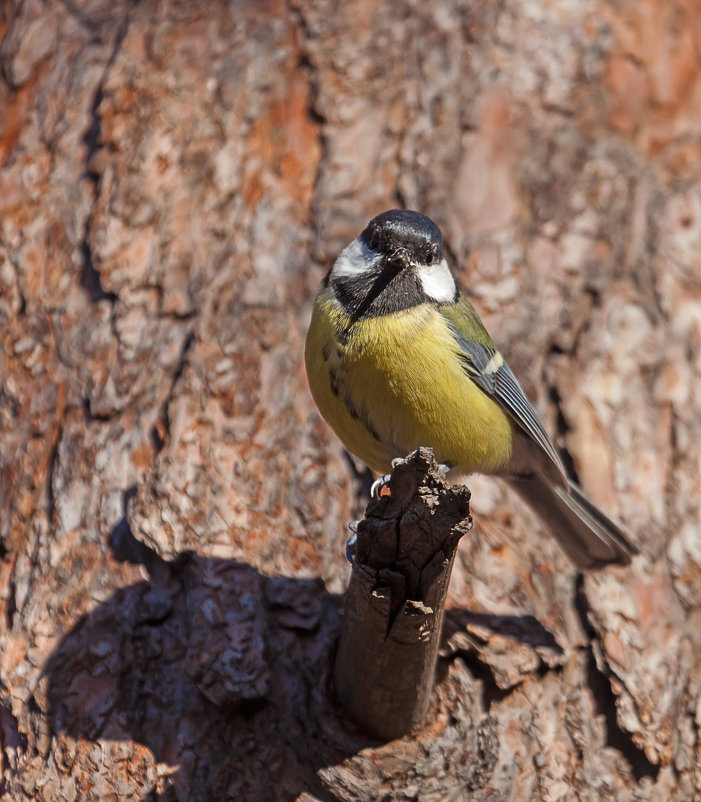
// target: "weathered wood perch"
[[395, 602]]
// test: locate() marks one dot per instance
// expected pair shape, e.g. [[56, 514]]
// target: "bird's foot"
[[381, 481], [378, 484]]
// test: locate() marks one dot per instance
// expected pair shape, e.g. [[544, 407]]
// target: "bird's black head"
[[404, 236], [396, 263]]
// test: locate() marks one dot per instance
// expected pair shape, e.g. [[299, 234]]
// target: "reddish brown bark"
[[175, 179]]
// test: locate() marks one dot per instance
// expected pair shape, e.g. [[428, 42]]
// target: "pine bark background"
[[175, 179]]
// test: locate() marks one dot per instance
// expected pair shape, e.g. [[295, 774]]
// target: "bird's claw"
[[378, 484], [352, 540], [381, 481]]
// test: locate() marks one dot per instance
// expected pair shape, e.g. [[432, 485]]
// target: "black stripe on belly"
[[336, 379], [335, 382], [361, 415], [350, 406]]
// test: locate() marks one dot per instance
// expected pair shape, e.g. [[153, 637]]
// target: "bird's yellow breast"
[[395, 383]]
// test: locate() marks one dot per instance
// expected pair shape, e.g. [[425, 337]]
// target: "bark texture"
[[175, 179]]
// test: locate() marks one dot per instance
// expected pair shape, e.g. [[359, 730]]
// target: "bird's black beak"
[[399, 259], [390, 269]]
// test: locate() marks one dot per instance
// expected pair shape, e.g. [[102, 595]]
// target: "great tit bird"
[[398, 358]]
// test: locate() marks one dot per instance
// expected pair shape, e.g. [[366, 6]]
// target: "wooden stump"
[[395, 602]]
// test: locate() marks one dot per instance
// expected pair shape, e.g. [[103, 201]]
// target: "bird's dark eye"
[[375, 241], [430, 258]]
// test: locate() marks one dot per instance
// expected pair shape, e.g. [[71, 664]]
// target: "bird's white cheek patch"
[[437, 282], [354, 260]]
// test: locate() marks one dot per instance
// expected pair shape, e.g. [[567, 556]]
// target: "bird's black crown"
[[404, 229]]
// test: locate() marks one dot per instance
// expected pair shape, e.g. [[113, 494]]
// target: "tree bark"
[[175, 181]]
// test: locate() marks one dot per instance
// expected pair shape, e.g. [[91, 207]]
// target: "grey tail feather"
[[590, 538]]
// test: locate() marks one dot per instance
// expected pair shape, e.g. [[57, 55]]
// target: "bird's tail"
[[590, 538]]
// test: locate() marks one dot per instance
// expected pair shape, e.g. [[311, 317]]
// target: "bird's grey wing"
[[487, 368]]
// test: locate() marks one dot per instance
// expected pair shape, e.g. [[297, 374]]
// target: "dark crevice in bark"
[[306, 62], [563, 428], [491, 692], [53, 465], [11, 603], [90, 276], [157, 439], [160, 432], [92, 415], [126, 548], [605, 699]]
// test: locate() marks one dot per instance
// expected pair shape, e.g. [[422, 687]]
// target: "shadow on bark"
[[217, 670], [225, 676]]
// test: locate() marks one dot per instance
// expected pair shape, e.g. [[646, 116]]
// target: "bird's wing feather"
[[485, 365]]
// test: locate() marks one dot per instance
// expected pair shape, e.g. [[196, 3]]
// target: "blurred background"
[[175, 181]]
